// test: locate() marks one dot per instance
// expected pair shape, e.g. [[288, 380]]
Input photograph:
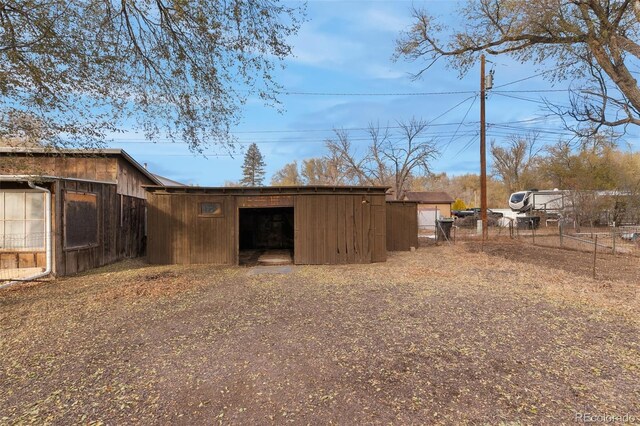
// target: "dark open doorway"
[[266, 235]]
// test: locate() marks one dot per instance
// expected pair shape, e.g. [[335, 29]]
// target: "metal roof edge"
[[257, 190]]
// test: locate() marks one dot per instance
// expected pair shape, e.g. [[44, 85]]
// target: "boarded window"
[[21, 220], [80, 219], [210, 209]]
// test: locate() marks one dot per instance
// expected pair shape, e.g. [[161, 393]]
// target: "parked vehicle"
[[552, 201], [475, 212]]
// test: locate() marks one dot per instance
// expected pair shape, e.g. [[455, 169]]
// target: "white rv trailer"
[[548, 201]]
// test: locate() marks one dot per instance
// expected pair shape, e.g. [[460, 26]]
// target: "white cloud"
[[385, 20], [317, 48], [378, 70]]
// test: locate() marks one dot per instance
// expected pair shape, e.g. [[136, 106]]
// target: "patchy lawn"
[[444, 335]]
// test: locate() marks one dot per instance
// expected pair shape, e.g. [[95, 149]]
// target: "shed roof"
[[429, 197], [168, 182], [270, 190], [82, 153]]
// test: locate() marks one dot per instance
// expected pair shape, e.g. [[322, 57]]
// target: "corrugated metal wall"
[[402, 226]]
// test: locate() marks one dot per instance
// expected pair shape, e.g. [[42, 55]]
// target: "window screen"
[[212, 209], [80, 219], [21, 220]]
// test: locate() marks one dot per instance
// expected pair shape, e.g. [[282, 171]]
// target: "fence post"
[[533, 231], [595, 252], [561, 228], [613, 237]]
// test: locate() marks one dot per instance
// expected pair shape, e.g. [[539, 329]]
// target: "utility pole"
[[483, 155]]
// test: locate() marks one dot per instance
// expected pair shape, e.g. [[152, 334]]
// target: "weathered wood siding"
[[99, 168], [22, 259], [177, 234], [130, 180], [121, 232], [335, 229], [402, 226], [328, 229], [103, 168], [379, 214]]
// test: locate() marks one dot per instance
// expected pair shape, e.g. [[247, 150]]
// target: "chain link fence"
[[554, 233], [624, 240]]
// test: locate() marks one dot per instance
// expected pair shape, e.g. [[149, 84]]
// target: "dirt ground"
[[445, 335], [623, 268]]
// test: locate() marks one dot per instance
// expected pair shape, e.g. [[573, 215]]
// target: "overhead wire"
[[526, 78], [463, 119]]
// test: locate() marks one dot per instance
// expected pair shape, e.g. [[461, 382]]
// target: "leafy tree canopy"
[[81, 68]]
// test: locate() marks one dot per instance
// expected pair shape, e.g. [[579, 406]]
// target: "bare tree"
[[409, 154], [391, 158], [515, 164], [596, 40]]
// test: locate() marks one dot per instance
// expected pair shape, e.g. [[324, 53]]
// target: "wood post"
[[595, 253], [483, 155]]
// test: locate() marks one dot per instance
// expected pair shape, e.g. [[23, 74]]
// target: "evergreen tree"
[[253, 167]]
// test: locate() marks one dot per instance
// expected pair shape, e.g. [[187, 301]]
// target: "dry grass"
[[444, 335]]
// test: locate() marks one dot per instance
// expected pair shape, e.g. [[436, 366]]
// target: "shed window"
[[80, 219], [21, 220], [210, 209]]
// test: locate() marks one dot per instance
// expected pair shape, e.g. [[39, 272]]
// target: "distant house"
[[432, 200], [431, 206], [63, 212]]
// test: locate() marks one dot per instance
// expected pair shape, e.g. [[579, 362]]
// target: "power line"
[[463, 118], [461, 92], [287, 131], [532, 100], [452, 92], [527, 78], [347, 128], [531, 91], [468, 144], [454, 107]]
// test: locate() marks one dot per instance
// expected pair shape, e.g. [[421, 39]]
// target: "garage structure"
[[317, 224], [67, 211]]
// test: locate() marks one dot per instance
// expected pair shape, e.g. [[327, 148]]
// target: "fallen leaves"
[[437, 336]]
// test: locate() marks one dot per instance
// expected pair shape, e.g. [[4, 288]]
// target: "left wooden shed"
[[72, 209]]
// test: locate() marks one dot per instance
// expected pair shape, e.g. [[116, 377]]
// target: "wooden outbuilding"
[[317, 224], [81, 209], [402, 225]]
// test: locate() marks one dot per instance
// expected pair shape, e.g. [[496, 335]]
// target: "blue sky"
[[346, 48]]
